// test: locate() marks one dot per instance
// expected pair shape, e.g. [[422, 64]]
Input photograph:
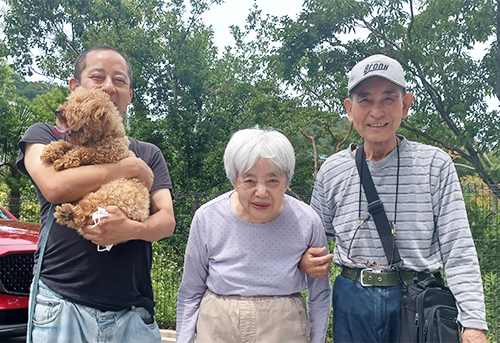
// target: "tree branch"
[[313, 141], [412, 18], [464, 166], [436, 140], [295, 194], [346, 137], [318, 97], [497, 57], [487, 160], [379, 34]]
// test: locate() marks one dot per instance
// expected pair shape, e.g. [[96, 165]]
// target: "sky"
[[235, 12]]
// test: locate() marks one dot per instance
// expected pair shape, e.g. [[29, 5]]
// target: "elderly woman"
[[241, 279]]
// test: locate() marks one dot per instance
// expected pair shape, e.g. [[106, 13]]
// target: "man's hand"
[[139, 169], [113, 229], [315, 265], [118, 228], [473, 336]]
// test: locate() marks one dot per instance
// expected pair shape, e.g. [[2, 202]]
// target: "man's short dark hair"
[[81, 61]]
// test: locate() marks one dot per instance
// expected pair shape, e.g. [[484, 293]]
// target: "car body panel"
[[16, 236], [18, 243], [13, 302]]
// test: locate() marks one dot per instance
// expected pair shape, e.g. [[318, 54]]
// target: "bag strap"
[[42, 242], [433, 282], [376, 210]]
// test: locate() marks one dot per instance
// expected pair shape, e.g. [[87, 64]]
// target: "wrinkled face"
[[88, 117], [376, 110], [260, 193], [107, 70]]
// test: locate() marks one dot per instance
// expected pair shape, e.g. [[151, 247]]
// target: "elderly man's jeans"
[[365, 314], [59, 321]]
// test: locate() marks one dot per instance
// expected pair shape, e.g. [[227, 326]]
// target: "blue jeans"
[[57, 320], [365, 314]]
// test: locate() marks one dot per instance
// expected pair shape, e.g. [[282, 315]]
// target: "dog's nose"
[[57, 112]]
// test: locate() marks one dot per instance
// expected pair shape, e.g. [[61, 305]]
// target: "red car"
[[4, 214], [18, 242]]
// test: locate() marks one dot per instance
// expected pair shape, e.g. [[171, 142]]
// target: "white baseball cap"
[[377, 65]]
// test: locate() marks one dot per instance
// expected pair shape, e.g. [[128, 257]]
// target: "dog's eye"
[[57, 112]]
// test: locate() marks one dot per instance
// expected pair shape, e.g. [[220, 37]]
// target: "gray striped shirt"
[[432, 230]]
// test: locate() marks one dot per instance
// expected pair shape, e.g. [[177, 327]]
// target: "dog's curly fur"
[[97, 136]]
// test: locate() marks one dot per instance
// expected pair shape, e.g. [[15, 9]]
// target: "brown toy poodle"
[[96, 135]]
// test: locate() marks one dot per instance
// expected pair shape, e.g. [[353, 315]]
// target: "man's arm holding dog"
[[72, 184]]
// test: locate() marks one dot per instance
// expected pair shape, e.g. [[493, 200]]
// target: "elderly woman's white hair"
[[247, 146]]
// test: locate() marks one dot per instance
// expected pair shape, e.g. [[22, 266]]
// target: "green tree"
[[30, 90], [431, 39], [253, 79], [16, 117]]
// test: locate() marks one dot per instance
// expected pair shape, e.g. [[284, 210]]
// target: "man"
[[86, 295], [421, 193]]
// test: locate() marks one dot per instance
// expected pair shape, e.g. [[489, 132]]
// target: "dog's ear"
[[60, 115]]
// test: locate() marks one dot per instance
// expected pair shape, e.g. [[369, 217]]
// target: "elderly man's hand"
[[314, 264], [473, 336]]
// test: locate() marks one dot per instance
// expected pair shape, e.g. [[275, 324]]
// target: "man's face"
[[377, 108], [107, 70]]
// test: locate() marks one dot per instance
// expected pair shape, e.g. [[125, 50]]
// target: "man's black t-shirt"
[[113, 280]]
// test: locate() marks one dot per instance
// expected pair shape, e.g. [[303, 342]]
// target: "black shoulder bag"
[[428, 308]]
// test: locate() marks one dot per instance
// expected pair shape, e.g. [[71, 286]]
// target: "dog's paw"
[[64, 214], [59, 165], [66, 162], [47, 155], [54, 151]]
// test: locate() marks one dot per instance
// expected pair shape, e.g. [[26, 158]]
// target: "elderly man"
[[421, 193], [85, 295]]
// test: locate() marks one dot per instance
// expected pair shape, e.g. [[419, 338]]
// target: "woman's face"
[[259, 196]]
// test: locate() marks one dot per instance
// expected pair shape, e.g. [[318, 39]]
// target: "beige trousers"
[[260, 319]]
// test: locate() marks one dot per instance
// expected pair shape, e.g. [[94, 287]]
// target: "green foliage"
[[166, 277], [432, 42], [15, 118], [4, 193], [187, 100], [30, 90], [484, 220], [18, 113], [30, 207], [168, 258], [491, 284], [44, 105]]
